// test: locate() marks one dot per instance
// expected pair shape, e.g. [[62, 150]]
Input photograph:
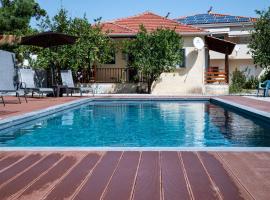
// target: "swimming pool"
[[142, 124]]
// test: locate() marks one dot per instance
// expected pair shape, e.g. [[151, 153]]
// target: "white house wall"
[[188, 80], [246, 65]]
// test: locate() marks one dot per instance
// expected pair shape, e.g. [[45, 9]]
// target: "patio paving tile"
[[14, 108]]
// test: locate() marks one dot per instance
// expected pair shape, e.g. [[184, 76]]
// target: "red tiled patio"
[[13, 107], [134, 175]]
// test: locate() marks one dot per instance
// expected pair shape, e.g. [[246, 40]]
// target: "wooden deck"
[[134, 175]]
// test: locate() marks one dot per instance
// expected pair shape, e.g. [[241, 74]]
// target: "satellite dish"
[[198, 43], [236, 48]]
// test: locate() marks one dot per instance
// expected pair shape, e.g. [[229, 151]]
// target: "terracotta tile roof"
[[151, 21], [214, 18], [112, 27]]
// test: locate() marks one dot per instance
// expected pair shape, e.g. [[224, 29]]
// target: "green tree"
[[155, 52], [91, 47], [260, 40], [15, 15]]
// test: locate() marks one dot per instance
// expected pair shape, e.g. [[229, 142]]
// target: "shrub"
[[238, 81], [251, 83]]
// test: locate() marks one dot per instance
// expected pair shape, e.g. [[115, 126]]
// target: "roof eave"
[[126, 35], [223, 24]]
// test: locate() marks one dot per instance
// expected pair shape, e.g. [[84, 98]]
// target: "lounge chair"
[[265, 86], [7, 74], [26, 77], [67, 80]]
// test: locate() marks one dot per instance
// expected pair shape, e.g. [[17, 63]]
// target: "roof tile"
[[150, 21]]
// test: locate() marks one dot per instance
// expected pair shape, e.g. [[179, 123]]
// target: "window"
[[183, 55]]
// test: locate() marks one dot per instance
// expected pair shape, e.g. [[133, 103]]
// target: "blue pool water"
[[142, 124]]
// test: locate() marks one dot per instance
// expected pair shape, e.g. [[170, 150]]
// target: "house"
[[189, 78], [236, 29]]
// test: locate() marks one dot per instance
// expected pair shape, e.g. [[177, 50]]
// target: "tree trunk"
[[149, 84]]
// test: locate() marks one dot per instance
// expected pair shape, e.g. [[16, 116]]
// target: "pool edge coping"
[[242, 108], [26, 117], [96, 149]]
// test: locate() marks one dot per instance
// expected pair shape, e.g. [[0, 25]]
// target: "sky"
[[110, 10]]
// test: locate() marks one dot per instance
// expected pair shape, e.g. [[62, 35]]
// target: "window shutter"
[[183, 63]]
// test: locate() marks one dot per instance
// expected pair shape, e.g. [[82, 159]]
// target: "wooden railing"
[[111, 75], [213, 77]]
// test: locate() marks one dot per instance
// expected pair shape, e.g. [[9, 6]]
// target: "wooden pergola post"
[[227, 67]]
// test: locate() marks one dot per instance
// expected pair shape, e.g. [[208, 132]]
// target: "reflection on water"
[[166, 124], [67, 119]]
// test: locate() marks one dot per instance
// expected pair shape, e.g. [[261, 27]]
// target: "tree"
[[15, 15], [155, 52], [91, 47], [260, 40]]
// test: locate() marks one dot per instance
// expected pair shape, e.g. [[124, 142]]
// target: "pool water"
[[142, 124]]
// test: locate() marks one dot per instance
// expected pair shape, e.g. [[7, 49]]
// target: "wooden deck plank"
[[97, 182], [153, 175], [69, 184], [41, 186], [19, 167], [25, 178], [5, 162], [148, 179], [200, 183], [172, 176], [252, 170], [228, 188], [122, 181]]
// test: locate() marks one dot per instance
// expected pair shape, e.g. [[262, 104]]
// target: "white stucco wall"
[[188, 80], [246, 65]]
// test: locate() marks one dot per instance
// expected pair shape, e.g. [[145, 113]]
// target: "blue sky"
[[108, 9]]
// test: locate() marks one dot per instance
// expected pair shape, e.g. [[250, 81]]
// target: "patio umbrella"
[[47, 40]]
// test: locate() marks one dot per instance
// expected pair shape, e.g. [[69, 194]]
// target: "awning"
[[219, 45]]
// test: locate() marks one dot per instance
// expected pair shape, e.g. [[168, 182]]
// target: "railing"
[[111, 75], [216, 77]]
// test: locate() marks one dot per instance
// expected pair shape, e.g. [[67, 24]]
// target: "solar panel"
[[243, 19], [210, 19], [230, 17], [201, 21], [202, 15]]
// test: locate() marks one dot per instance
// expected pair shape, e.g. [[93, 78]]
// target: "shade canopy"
[[48, 39], [219, 45]]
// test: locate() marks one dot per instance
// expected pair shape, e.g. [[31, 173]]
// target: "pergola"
[[221, 46]]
